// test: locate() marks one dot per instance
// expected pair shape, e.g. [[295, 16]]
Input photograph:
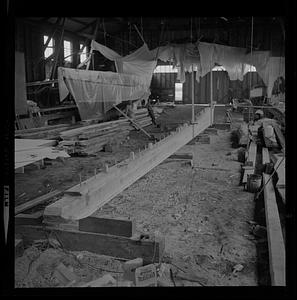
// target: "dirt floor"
[[202, 212]]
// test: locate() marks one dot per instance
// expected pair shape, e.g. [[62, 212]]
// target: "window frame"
[[68, 58], [49, 47], [84, 52]]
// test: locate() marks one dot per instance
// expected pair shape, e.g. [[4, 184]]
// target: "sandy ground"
[[201, 212]]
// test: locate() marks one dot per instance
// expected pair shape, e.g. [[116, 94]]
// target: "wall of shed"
[[224, 89]]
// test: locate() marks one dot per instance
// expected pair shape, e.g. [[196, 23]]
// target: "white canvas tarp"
[[96, 92], [142, 62]]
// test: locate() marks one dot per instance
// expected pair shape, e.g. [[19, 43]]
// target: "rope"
[[104, 31], [252, 36], [191, 31]]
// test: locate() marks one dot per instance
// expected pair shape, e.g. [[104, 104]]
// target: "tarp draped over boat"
[[142, 62], [96, 92]]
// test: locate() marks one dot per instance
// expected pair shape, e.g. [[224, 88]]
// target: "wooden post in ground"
[[211, 97], [193, 100]]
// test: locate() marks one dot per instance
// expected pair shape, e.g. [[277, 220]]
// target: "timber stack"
[[47, 132], [91, 139], [142, 118]]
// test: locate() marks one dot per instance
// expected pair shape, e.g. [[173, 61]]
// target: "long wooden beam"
[[275, 238], [98, 190], [103, 244]]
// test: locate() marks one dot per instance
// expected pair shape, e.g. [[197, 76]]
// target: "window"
[[67, 51], [219, 68], [178, 91], [249, 68], [49, 50], [83, 52], [165, 69]]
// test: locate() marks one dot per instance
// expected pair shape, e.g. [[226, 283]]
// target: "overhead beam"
[[45, 26], [86, 26], [100, 189]]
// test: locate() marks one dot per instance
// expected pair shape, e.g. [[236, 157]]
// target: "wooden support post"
[[211, 96], [275, 238], [103, 244], [132, 155], [91, 52], [58, 50]]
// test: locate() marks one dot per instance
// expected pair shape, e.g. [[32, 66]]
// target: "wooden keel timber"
[[98, 191]]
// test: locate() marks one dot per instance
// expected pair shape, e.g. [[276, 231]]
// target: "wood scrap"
[[27, 205]]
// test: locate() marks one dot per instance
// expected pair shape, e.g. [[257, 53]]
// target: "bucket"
[[253, 183]]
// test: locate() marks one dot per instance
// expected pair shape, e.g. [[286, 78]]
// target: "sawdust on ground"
[[202, 213]]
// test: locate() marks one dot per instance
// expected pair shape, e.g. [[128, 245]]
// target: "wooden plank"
[[104, 244], [252, 153], [26, 144], [118, 226], [29, 219], [276, 244], [100, 189], [265, 156], [280, 167], [282, 192], [82, 129], [27, 157], [38, 129], [280, 137], [36, 201]]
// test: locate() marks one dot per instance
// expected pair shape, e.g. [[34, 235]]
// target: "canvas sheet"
[[96, 92], [142, 62]]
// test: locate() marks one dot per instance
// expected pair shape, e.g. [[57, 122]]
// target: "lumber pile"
[[91, 139], [142, 118], [45, 132]]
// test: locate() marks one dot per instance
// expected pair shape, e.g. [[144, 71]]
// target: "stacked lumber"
[[142, 118], [91, 139], [46, 132]]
